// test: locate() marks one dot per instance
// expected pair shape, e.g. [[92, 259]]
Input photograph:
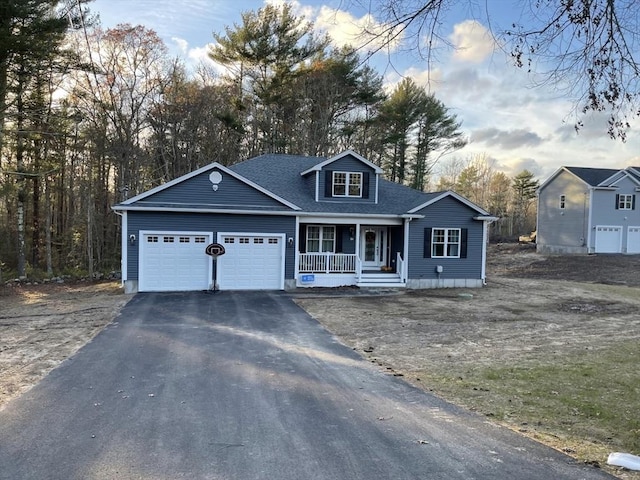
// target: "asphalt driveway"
[[247, 386]]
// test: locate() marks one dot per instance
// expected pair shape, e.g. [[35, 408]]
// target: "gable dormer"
[[347, 177]]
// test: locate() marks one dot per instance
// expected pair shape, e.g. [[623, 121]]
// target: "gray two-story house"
[[288, 221], [589, 210]]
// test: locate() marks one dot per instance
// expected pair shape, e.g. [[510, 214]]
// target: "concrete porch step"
[[380, 280]]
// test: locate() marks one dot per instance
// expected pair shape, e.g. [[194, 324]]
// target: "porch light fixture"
[[132, 239], [352, 232], [290, 241]]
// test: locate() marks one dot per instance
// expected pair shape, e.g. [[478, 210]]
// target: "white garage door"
[[608, 239], [633, 240], [251, 262], [171, 261]]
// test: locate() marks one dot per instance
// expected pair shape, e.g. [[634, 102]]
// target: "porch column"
[[405, 254], [358, 240]]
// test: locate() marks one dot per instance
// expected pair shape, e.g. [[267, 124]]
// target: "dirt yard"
[[550, 347], [41, 325]]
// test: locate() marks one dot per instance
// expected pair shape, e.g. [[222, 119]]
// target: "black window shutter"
[[427, 243], [617, 201], [464, 233], [633, 202], [328, 183], [365, 185], [339, 234], [302, 243]]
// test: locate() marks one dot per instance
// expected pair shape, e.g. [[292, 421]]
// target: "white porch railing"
[[327, 263]]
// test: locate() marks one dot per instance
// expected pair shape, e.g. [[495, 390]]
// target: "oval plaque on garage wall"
[[214, 249]]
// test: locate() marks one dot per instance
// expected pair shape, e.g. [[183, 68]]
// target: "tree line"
[[92, 116]]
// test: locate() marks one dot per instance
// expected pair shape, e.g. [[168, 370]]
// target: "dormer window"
[[347, 184]]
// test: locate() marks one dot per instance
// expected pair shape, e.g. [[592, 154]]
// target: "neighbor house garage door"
[[608, 239], [171, 261], [633, 240], [251, 262]]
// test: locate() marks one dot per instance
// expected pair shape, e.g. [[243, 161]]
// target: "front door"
[[373, 247]]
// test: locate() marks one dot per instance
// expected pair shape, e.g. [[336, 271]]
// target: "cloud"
[[515, 166], [473, 43], [364, 32], [507, 139], [182, 44], [200, 55]]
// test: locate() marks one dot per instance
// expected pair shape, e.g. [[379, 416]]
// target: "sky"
[[506, 118]]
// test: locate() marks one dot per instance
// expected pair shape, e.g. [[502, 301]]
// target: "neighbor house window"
[[321, 239], [562, 201], [347, 184], [445, 242], [625, 202]]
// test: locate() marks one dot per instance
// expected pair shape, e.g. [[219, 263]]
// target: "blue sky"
[[505, 117]]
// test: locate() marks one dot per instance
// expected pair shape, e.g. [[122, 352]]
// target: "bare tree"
[[586, 47]]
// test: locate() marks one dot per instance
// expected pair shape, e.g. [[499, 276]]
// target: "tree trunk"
[[47, 201], [22, 263]]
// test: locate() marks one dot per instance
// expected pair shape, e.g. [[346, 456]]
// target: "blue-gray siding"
[[563, 227], [231, 192], [604, 205], [205, 222], [349, 164], [446, 213]]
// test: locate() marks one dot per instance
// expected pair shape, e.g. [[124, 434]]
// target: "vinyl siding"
[[198, 191], [563, 227], [446, 213], [605, 213], [348, 164], [172, 221]]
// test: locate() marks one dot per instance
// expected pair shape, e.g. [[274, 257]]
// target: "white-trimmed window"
[[625, 202], [347, 184], [321, 238], [563, 200], [445, 242]]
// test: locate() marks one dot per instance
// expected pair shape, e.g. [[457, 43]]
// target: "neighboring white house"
[[589, 210]]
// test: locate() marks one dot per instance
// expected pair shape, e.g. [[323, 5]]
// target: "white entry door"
[[373, 246], [252, 261], [174, 261], [633, 240], [608, 239]]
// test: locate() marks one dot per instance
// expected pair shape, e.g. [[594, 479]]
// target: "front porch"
[[359, 255], [339, 269]]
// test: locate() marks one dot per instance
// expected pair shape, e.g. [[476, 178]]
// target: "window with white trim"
[[445, 242], [347, 184], [563, 200], [321, 238], [625, 202]]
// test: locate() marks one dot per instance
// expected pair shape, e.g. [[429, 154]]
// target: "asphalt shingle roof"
[[593, 176], [280, 174]]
